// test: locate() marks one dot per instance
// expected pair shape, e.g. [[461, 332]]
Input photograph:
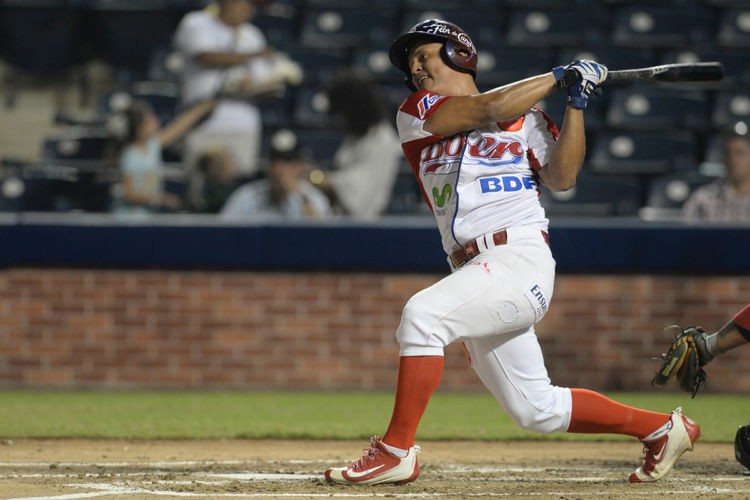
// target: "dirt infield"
[[71, 469]]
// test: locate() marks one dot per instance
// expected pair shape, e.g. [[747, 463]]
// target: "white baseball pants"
[[491, 303]]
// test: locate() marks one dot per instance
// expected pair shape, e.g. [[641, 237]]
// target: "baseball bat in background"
[[686, 72]]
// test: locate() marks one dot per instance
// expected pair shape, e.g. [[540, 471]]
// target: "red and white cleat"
[[666, 446], [378, 466]]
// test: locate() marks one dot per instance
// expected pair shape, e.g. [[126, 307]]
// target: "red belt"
[[468, 251]]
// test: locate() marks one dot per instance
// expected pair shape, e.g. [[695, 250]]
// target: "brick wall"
[[122, 329]]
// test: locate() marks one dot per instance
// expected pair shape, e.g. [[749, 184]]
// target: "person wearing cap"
[[480, 158], [285, 190]]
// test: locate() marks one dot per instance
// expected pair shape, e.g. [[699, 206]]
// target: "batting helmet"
[[742, 445], [453, 38]]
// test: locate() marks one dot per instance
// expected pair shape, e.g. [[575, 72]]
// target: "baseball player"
[[693, 348], [479, 158]]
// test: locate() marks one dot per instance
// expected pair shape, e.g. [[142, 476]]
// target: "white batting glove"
[[591, 74]]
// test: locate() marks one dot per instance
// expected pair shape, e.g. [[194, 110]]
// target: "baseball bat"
[[686, 72]]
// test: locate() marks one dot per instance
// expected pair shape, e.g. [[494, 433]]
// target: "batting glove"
[[590, 75]]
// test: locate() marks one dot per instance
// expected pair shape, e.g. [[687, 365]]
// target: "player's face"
[[237, 12], [737, 159], [429, 71]]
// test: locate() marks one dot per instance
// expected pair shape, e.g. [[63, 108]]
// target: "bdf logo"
[[506, 183]]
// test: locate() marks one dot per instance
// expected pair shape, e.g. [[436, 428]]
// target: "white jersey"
[[203, 31], [482, 180]]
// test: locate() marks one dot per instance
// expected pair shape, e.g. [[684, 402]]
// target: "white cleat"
[[663, 450]]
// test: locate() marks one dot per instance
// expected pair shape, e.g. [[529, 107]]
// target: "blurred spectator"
[[140, 160], [725, 200], [224, 54], [285, 190], [212, 181], [366, 164]]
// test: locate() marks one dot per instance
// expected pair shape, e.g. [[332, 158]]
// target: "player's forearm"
[[512, 100], [566, 157], [498, 105], [180, 125], [224, 59]]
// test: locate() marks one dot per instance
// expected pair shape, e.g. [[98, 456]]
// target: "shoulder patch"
[[425, 103]]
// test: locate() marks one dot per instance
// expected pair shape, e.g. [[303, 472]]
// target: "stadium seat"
[[482, 25], [645, 108], [645, 26], [51, 187], [613, 57], [667, 194], [595, 195], [374, 61], [279, 22], [127, 32], [41, 37], [499, 64], [162, 96], [730, 108], [347, 27], [310, 107], [406, 196], [76, 146], [734, 28], [643, 152], [319, 65], [736, 69], [394, 94], [567, 28], [540, 4], [556, 104], [322, 143]]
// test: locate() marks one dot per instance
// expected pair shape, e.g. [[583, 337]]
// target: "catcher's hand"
[[685, 359]]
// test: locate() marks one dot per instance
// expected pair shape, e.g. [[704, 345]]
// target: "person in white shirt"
[[366, 163], [223, 51], [284, 192]]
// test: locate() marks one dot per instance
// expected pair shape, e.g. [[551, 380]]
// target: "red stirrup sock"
[[594, 413], [418, 377]]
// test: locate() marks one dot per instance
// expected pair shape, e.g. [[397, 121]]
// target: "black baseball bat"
[[686, 72]]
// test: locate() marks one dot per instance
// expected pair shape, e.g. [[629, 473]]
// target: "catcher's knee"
[[418, 334], [548, 412]]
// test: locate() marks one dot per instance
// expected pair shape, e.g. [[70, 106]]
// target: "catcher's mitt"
[[685, 360]]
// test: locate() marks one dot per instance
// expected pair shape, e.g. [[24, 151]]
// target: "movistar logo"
[[442, 197]]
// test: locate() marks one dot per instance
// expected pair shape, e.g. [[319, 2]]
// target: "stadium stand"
[[634, 132], [595, 195], [668, 193]]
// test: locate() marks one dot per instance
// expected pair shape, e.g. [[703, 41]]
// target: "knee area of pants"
[[541, 418]]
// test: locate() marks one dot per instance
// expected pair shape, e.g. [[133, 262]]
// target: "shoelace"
[[649, 460], [369, 454]]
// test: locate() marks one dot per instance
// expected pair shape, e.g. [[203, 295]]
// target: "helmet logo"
[[438, 28]]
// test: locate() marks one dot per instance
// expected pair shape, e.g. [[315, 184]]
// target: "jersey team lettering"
[[506, 183], [489, 151]]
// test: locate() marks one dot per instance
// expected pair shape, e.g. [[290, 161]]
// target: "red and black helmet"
[[453, 38]]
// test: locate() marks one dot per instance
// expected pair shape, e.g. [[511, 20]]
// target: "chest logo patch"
[[442, 197]]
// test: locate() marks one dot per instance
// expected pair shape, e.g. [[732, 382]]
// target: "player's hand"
[[591, 74]]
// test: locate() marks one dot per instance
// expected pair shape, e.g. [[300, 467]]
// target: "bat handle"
[[569, 78]]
